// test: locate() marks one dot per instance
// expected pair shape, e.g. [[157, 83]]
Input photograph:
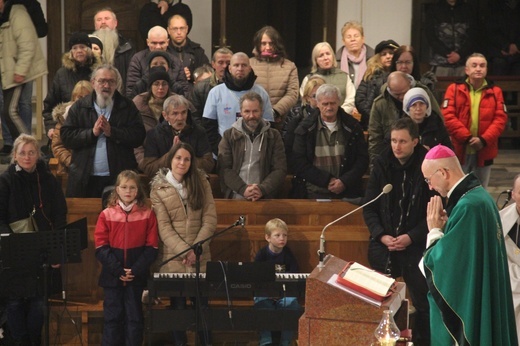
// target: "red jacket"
[[125, 240], [456, 109]]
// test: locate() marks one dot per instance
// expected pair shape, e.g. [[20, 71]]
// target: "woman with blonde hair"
[[325, 65], [59, 114]]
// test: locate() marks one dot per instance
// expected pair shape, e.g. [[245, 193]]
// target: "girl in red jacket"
[[126, 245]]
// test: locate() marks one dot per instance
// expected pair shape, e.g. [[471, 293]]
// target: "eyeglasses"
[[30, 153], [406, 62], [160, 84], [181, 29], [111, 82], [428, 180]]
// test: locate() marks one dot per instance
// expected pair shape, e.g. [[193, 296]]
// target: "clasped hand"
[[128, 275], [102, 126], [436, 216]]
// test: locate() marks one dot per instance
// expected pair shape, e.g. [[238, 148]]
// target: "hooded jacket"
[[236, 145], [180, 227]]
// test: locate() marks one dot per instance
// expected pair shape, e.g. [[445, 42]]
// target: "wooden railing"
[[348, 239]]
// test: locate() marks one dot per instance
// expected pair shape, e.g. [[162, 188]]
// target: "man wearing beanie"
[[465, 262], [21, 62], [77, 64]]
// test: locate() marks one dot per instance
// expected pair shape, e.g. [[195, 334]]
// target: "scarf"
[[361, 61], [156, 106], [178, 186], [127, 208]]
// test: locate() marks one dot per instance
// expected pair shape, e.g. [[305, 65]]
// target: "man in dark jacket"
[[185, 52], [329, 151], [177, 126], [397, 221], [102, 130], [117, 50]]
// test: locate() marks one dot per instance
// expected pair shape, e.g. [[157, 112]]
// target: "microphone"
[[321, 252], [508, 193], [242, 220]]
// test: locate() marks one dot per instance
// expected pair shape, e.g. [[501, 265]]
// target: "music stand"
[[31, 250]]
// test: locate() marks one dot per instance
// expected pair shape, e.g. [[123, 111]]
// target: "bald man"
[[157, 40], [222, 107], [388, 107], [465, 262]]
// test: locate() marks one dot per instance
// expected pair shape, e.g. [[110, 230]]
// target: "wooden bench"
[[348, 239]]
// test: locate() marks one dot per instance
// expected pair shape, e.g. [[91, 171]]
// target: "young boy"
[[284, 261]]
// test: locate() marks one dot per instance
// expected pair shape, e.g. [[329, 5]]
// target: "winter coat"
[[355, 158], [191, 55], [367, 92], [63, 83], [125, 240], [402, 211], [456, 108], [20, 50], [432, 131], [341, 79], [231, 154], [127, 133], [280, 80], [124, 53], [159, 141], [180, 227], [59, 151], [384, 112], [21, 193]]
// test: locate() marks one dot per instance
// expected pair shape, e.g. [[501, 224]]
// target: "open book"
[[365, 280]]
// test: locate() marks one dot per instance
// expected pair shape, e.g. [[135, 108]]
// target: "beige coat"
[[20, 50], [179, 228], [280, 81]]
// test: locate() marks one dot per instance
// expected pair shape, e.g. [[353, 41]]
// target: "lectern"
[[335, 317]]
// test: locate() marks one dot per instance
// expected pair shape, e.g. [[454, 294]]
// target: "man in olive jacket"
[[102, 130]]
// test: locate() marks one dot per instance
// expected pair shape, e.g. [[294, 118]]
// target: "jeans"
[[25, 319], [25, 109], [288, 303]]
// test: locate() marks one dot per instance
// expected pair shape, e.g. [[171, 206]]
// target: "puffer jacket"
[[180, 227], [63, 83], [20, 50], [456, 109], [280, 80], [231, 154], [367, 92]]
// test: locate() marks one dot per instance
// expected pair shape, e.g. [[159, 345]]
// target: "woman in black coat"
[[28, 188]]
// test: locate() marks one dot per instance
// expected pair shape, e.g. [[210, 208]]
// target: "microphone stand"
[[321, 251], [197, 249]]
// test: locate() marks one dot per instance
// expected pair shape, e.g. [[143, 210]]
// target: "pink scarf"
[[360, 60]]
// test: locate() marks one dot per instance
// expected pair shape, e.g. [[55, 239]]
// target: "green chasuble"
[[467, 274]]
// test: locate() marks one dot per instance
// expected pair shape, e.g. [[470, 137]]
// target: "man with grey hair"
[[329, 151], [102, 130], [222, 107], [251, 157], [177, 126], [199, 95], [117, 50]]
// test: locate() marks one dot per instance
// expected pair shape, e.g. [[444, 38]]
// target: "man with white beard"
[[117, 50], [102, 130]]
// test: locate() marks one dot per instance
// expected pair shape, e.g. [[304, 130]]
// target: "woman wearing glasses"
[[28, 191]]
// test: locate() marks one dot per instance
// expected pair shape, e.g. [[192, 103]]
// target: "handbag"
[[27, 225]]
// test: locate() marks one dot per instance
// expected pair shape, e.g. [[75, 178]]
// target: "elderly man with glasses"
[[102, 130]]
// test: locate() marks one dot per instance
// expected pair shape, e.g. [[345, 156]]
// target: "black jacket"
[[432, 131], [409, 197], [124, 53], [191, 55], [355, 160], [366, 93], [127, 133]]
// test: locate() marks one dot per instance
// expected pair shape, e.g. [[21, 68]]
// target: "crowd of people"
[[170, 114]]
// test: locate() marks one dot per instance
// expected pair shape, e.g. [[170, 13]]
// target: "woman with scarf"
[[277, 74]]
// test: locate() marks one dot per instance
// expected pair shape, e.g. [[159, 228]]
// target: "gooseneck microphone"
[[321, 252], [242, 220]]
